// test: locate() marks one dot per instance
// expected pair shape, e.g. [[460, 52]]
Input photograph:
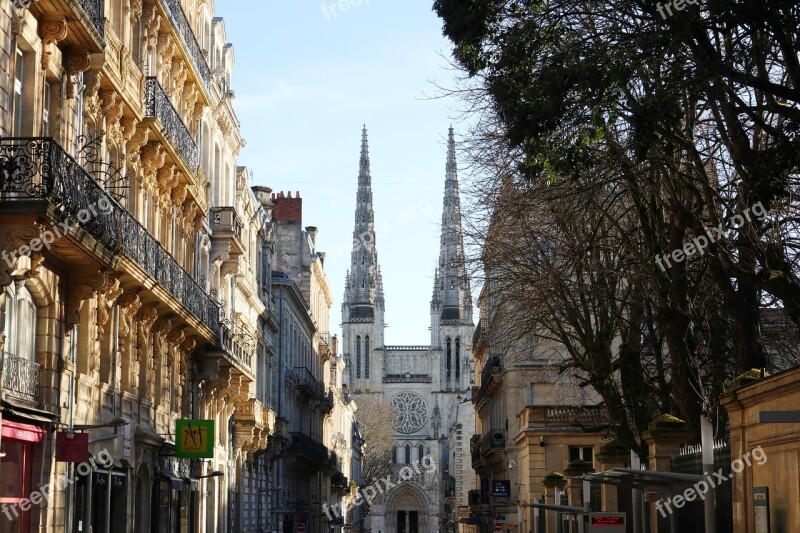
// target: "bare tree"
[[375, 417]]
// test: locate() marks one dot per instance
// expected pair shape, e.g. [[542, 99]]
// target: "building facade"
[[423, 384], [135, 272]]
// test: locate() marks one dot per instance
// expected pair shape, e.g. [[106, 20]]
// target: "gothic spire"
[[453, 285], [364, 282]]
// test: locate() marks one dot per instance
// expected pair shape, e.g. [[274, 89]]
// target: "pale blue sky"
[[304, 84]]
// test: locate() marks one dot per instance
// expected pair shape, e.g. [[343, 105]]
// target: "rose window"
[[410, 412]]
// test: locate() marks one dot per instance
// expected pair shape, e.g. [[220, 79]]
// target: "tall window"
[[458, 358], [449, 356], [421, 453], [408, 454], [358, 357], [46, 111], [19, 77], [20, 322], [366, 357]]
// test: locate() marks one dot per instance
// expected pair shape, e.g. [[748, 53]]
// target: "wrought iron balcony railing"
[[20, 378], [306, 381], [302, 444], [157, 105], [339, 481], [39, 168], [95, 12], [493, 441], [190, 41]]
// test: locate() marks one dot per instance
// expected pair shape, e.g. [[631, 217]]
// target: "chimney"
[[287, 209], [262, 194], [312, 232]]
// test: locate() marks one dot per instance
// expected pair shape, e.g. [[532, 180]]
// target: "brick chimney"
[[287, 209]]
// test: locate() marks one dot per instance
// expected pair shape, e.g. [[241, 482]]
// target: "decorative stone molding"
[[139, 136], [106, 296], [129, 305], [152, 159], [16, 267], [78, 61], [81, 286], [51, 31], [145, 318], [135, 10], [151, 21]]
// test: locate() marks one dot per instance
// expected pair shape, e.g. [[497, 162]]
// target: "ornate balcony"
[[95, 13], [494, 441], [157, 105], [327, 401], [475, 452], [39, 168], [190, 42], [307, 383], [301, 445], [339, 481], [20, 378], [490, 379], [226, 223]]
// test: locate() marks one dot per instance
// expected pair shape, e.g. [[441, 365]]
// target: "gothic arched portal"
[[407, 508]]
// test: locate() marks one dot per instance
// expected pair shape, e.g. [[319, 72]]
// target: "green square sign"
[[194, 439]]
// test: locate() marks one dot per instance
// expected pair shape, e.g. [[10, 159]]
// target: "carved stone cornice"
[[51, 31], [152, 159], [135, 10], [151, 21]]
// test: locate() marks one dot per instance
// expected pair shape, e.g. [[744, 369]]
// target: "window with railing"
[[20, 370]]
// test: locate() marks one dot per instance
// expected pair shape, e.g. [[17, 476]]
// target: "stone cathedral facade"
[[425, 385]]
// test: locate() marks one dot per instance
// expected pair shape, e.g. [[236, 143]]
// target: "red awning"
[[19, 431]]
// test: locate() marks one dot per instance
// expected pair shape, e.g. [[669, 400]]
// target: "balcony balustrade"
[[339, 481], [490, 377], [20, 378], [325, 338], [190, 42], [39, 168], [225, 220], [303, 445], [328, 401], [407, 378], [157, 105]]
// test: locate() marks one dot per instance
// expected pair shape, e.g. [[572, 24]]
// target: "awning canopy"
[[20, 431], [175, 482]]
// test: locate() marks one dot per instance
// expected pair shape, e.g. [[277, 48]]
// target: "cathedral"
[[425, 385]]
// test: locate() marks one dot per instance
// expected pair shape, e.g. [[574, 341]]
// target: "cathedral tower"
[[363, 303], [451, 305]]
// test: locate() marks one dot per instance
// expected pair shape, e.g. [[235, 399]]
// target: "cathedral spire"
[[453, 286], [364, 285]]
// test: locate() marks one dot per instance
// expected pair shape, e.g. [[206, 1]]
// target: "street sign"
[[72, 447], [194, 439], [300, 527], [498, 526], [501, 488]]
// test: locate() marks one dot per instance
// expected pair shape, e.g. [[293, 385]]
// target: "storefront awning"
[[20, 431], [175, 482]]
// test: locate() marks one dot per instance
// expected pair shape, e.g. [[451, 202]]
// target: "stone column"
[[664, 436], [612, 455], [554, 483], [574, 471]]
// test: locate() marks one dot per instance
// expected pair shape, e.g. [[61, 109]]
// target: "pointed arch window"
[[449, 356], [458, 358], [366, 357], [358, 357]]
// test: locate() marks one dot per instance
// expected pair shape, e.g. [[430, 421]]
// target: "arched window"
[[358, 357], [449, 356], [394, 454], [420, 452], [408, 454], [458, 358], [366, 357]]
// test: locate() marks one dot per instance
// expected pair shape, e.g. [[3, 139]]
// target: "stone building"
[[135, 282], [422, 383]]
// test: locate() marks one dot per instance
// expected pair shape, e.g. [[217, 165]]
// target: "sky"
[[308, 74]]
